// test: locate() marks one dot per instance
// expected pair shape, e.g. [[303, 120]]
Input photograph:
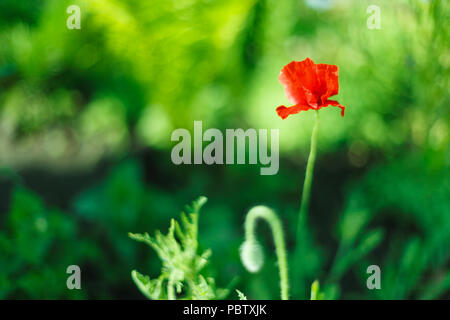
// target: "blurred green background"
[[86, 117]]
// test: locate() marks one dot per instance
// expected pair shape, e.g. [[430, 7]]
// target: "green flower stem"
[[303, 213], [170, 290], [264, 213], [308, 178]]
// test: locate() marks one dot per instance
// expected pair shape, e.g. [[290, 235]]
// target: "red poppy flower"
[[308, 86]]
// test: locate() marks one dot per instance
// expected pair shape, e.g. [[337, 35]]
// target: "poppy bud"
[[252, 255]]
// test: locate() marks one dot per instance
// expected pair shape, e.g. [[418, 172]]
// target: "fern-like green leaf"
[[182, 264], [241, 295]]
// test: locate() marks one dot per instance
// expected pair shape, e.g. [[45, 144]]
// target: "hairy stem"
[[170, 290], [266, 214], [304, 206], [309, 174]]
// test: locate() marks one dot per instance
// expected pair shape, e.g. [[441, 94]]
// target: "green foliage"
[[415, 205], [36, 248], [315, 291], [182, 264]]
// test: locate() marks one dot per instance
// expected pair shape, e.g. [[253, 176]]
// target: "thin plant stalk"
[[306, 193], [304, 205], [171, 290]]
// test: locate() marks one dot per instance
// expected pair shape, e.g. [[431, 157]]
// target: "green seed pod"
[[252, 255]]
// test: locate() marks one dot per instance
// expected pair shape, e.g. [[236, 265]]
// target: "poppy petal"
[[328, 76], [334, 104], [300, 82], [284, 111]]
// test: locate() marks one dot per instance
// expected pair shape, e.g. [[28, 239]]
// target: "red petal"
[[335, 104], [284, 112], [300, 82], [328, 76]]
